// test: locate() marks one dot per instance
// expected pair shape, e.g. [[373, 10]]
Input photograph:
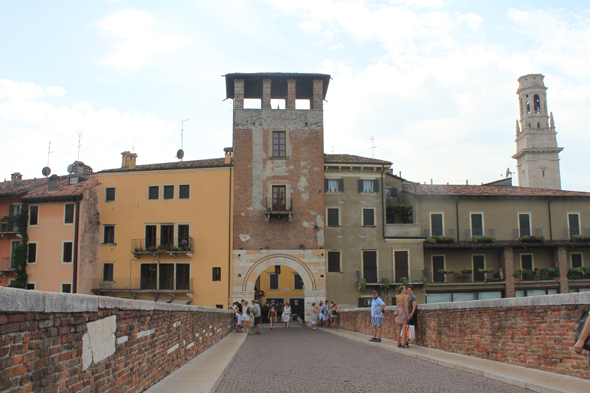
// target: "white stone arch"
[[278, 259]]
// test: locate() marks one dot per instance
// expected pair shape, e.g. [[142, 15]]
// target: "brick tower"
[[278, 211], [537, 153]]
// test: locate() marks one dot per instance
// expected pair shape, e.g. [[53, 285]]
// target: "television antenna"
[[79, 145], [373, 147], [508, 173], [47, 171], [180, 153]]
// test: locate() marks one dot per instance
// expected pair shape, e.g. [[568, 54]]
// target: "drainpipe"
[[383, 212], [76, 234], [457, 210], [550, 229], [229, 241]]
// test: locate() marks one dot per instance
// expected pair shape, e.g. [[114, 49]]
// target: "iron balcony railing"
[[439, 232], [520, 232], [569, 232], [145, 284], [6, 264], [375, 277], [168, 245], [273, 209], [9, 226], [469, 233]]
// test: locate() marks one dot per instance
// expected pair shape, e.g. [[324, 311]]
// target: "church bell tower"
[[537, 153]]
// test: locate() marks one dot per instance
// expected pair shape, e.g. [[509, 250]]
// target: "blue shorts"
[[376, 321]]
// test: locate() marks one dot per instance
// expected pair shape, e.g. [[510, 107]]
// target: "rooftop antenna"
[[47, 171], [79, 145], [372, 139], [332, 149], [180, 153], [133, 145], [48, 153]]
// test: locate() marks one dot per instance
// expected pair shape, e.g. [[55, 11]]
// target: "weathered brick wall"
[[52, 342], [536, 332]]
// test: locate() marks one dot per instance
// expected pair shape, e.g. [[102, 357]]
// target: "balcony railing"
[[6, 264], [172, 246], [270, 210], [569, 232], [149, 284], [439, 232], [9, 226], [469, 233], [375, 277], [520, 232]]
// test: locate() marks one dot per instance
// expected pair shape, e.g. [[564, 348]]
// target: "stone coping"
[[22, 300], [544, 300]]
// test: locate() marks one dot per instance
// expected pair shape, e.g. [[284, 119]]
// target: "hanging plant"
[[20, 252], [404, 211]]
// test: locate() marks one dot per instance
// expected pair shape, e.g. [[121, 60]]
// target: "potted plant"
[[152, 248], [447, 271], [574, 273], [545, 274], [526, 274], [385, 282], [516, 276], [361, 284], [586, 270], [536, 274], [554, 273], [404, 281], [163, 247]]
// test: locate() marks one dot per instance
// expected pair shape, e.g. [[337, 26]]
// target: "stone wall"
[[536, 332], [53, 342]]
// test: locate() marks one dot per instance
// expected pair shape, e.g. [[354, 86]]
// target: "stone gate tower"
[[537, 153], [278, 211]]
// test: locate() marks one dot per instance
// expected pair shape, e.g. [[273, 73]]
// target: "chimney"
[[228, 153], [128, 160], [53, 183], [16, 179]]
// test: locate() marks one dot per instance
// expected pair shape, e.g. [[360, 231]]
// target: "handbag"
[[395, 312], [581, 324]]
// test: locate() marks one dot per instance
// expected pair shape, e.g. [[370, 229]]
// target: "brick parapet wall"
[[536, 332], [52, 342]]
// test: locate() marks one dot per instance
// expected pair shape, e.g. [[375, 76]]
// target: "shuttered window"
[[333, 219], [333, 261]]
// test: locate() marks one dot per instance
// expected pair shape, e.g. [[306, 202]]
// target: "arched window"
[[538, 125], [521, 106], [528, 107], [537, 103]]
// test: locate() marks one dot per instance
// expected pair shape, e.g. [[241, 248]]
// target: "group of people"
[[282, 312], [324, 314], [244, 314], [405, 315]]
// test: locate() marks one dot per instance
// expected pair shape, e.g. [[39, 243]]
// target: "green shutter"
[[325, 185], [341, 185], [11, 210], [360, 185], [376, 185]]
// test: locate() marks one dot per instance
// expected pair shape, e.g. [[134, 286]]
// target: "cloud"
[[133, 36], [26, 90]]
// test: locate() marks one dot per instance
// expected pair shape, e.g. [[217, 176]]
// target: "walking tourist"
[[238, 313], [314, 315], [401, 318], [287, 315], [412, 307], [272, 316], [579, 346], [279, 311], [324, 311], [377, 307], [257, 315], [335, 310], [320, 314], [246, 317]]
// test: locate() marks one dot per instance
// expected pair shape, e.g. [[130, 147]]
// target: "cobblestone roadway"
[[305, 360]]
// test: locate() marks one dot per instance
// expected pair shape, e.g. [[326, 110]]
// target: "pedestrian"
[[246, 317], [286, 315], [272, 316], [315, 310], [412, 307], [238, 313], [580, 344], [377, 307], [279, 311], [320, 314], [401, 319], [324, 311], [335, 310], [257, 315]]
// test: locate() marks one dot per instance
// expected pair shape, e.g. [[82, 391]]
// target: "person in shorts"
[[257, 315], [377, 307]]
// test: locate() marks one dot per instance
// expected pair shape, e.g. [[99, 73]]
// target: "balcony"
[[158, 246], [8, 227], [520, 232], [403, 230], [279, 210], [439, 232], [134, 286], [469, 233], [6, 264], [569, 232]]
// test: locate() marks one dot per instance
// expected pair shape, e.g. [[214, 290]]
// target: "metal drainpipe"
[[76, 234], [457, 210], [229, 241], [383, 213], [550, 229]]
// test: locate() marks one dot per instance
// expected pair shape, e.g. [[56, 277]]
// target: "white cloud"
[[27, 90], [471, 20], [136, 42]]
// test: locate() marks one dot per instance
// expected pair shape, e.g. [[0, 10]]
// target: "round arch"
[[278, 259]]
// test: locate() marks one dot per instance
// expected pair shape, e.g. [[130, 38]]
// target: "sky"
[[433, 82]]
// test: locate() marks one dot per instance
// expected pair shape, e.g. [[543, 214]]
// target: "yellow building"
[[166, 231], [286, 286]]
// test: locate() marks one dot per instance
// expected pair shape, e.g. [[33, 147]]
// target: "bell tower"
[[537, 153]]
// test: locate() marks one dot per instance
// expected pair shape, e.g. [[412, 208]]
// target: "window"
[[150, 237], [69, 213], [67, 252], [298, 285], [216, 274], [14, 244], [166, 236], [33, 215], [273, 281], [478, 263], [368, 185], [183, 276], [437, 224], [184, 239], [31, 286], [149, 276], [109, 234], [32, 253], [476, 224], [574, 224], [66, 288], [401, 266], [370, 266], [279, 198], [334, 185], [391, 192], [279, 144], [526, 261], [14, 210], [166, 278], [333, 217], [107, 271], [333, 261], [536, 103], [153, 192], [184, 191], [438, 262], [109, 194], [576, 260], [368, 217], [524, 224], [168, 192]]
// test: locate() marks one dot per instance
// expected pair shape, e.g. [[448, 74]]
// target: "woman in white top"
[[287, 315], [246, 318]]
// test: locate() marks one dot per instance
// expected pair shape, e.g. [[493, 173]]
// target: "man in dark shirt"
[[412, 305]]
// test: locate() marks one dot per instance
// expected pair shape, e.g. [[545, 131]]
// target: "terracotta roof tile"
[[65, 189], [213, 162], [491, 191], [350, 159], [7, 188]]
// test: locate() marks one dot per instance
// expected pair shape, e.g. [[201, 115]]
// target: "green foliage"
[[585, 268], [485, 270], [424, 282], [404, 281], [484, 239], [442, 239], [467, 271], [405, 211], [532, 239], [20, 251], [362, 283], [581, 238], [575, 273], [526, 274], [385, 282], [448, 271]]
